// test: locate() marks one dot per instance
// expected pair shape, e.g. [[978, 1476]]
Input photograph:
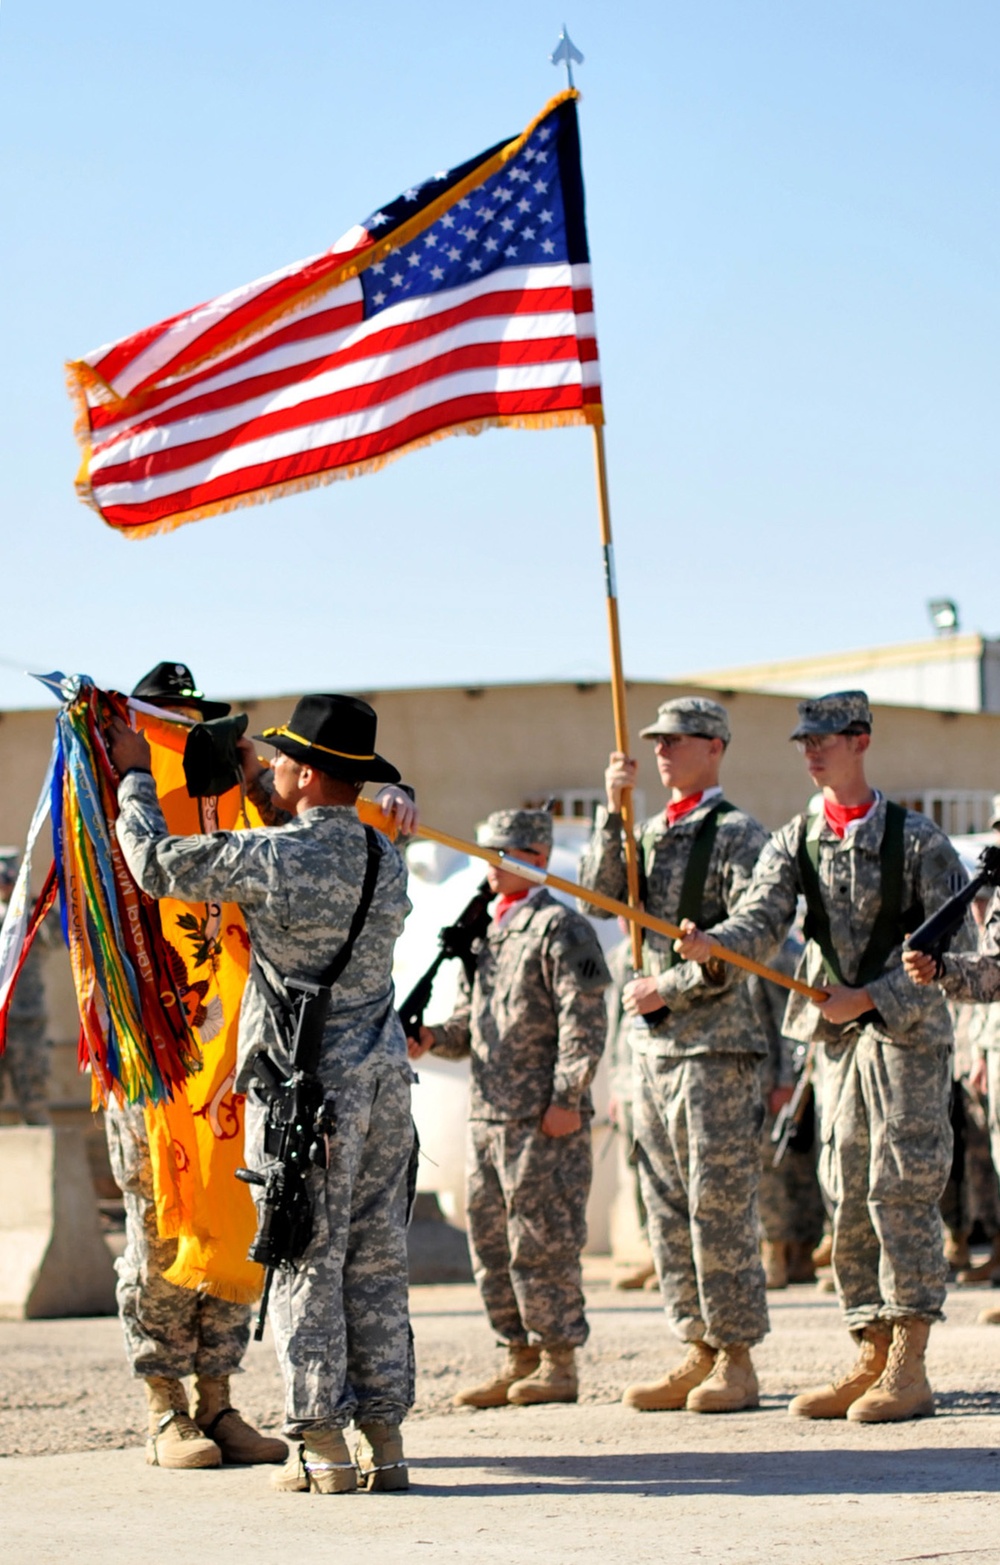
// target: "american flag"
[[464, 303]]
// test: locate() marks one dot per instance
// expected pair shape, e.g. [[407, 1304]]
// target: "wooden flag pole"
[[618, 692], [637, 918]]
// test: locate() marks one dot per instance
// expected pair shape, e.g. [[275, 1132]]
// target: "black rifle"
[[301, 1117], [936, 933], [788, 1125], [456, 940]]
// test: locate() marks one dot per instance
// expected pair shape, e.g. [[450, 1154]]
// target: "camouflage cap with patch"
[[834, 714], [695, 715], [516, 829]]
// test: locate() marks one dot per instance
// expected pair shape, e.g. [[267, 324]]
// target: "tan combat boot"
[[237, 1440], [732, 1385], [379, 1459], [637, 1277], [174, 1438], [985, 1271], [902, 1390], [833, 1400], [823, 1254], [320, 1464], [670, 1392], [989, 1317], [775, 1259], [956, 1252], [553, 1381], [522, 1359]]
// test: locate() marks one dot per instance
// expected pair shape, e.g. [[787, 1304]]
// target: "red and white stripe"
[[324, 390]]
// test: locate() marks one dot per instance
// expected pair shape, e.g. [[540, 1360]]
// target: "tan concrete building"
[[953, 671], [469, 751]]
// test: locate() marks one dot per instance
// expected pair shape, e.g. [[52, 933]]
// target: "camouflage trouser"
[[971, 1195], [886, 1154], [24, 1068], [341, 1321], [791, 1204], [526, 1204], [627, 1127], [168, 1330], [993, 1109], [697, 1127]]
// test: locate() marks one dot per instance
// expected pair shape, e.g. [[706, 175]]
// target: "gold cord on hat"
[[286, 733]]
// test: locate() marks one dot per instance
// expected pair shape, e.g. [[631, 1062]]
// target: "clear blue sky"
[[794, 224]]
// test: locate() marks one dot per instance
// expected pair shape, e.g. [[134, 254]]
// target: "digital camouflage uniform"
[[791, 1206], [972, 1196], [534, 1023], [168, 1330], [975, 977], [886, 1137], [697, 1104], [340, 1322], [24, 1064]]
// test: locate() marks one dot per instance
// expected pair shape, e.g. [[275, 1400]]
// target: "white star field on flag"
[[485, 236]]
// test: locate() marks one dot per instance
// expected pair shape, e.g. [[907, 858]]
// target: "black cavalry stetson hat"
[[172, 684], [336, 734]]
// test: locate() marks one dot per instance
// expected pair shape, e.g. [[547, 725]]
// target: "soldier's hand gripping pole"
[[572, 888]]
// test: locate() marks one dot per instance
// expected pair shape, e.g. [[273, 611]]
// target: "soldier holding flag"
[[696, 1048]]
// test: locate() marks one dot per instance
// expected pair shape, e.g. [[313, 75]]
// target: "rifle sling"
[[695, 872], [891, 924], [279, 1005]]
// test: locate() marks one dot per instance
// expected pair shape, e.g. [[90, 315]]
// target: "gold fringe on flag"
[[593, 414]]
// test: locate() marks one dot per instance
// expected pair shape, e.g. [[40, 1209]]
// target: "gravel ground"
[[539, 1484], [65, 1385]]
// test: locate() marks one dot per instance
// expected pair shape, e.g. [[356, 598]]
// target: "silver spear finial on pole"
[[566, 53]]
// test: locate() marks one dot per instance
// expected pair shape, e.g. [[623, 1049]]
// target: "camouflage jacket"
[[975, 976], [850, 876], [705, 1018], [534, 1020], [298, 886]]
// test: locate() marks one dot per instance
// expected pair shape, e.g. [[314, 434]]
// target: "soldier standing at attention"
[[341, 1322], [697, 1106], [534, 1023], [869, 871]]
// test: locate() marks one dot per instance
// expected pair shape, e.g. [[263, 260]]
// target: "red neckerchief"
[[507, 901], [840, 816], [675, 810]]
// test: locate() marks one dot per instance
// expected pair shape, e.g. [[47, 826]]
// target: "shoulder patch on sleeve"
[[581, 952], [943, 864]]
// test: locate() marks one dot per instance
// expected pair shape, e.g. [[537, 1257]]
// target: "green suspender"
[[891, 923], [696, 872]]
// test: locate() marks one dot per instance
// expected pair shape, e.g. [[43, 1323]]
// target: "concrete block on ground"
[[53, 1258], [437, 1251]]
